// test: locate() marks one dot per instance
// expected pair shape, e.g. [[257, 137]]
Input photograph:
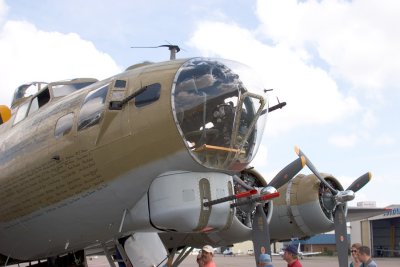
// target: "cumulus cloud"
[[3, 11], [358, 39], [29, 54], [261, 157], [385, 139], [349, 140]]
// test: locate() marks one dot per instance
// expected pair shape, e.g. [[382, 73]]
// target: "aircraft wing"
[[357, 214]]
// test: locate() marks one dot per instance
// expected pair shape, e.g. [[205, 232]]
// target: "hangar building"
[[381, 233]]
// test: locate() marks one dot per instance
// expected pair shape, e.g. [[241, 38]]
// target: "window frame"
[[94, 113], [148, 95], [64, 131]]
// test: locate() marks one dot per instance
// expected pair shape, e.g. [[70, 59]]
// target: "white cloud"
[[369, 119], [29, 54], [349, 140], [261, 157], [3, 11], [385, 139], [358, 39], [352, 139]]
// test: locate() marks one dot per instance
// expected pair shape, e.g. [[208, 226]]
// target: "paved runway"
[[246, 261]]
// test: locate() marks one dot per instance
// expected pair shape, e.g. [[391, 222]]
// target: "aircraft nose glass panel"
[[220, 111]]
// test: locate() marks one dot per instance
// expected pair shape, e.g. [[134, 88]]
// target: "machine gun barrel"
[[257, 199], [229, 198]]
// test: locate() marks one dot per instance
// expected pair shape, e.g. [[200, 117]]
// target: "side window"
[[21, 113], [150, 95], [66, 89], [92, 108], [64, 125]]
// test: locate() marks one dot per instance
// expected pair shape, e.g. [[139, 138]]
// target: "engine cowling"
[[304, 208]]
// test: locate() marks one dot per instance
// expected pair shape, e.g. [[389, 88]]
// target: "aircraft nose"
[[217, 115]]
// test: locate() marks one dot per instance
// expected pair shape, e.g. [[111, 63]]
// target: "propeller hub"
[[268, 190], [344, 196]]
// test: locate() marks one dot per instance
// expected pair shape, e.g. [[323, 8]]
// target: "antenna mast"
[[173, 49]]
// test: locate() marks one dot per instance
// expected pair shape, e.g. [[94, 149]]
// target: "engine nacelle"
[[175, 203], [303, 208]]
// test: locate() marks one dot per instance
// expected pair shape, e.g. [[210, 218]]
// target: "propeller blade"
[[287, 173], [314, 170], [260, 232], [341, 236], [360, 182]]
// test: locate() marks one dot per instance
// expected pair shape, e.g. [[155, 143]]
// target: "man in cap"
[[290, 255], [205, 257], [364, 255]]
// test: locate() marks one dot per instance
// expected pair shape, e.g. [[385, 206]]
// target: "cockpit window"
[[149, 95], [31, 106], [218, 107], [92, 108], [39, 100], [26, 90]]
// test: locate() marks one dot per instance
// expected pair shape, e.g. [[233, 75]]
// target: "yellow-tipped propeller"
[[339, 198]]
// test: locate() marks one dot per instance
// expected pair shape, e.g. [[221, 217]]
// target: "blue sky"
[[335, 63]]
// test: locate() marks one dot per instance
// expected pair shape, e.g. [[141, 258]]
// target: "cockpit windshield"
[[56, 89], [26, 90], [220, 110]]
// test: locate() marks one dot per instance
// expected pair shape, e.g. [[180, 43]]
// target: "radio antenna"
[[173, 49]]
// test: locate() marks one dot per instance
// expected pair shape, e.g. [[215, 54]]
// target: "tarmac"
[[246, 261]]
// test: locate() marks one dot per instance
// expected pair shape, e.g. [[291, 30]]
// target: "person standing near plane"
[[355, 262], [364, 255], [264, 259], [290, 255], [205, 257]]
